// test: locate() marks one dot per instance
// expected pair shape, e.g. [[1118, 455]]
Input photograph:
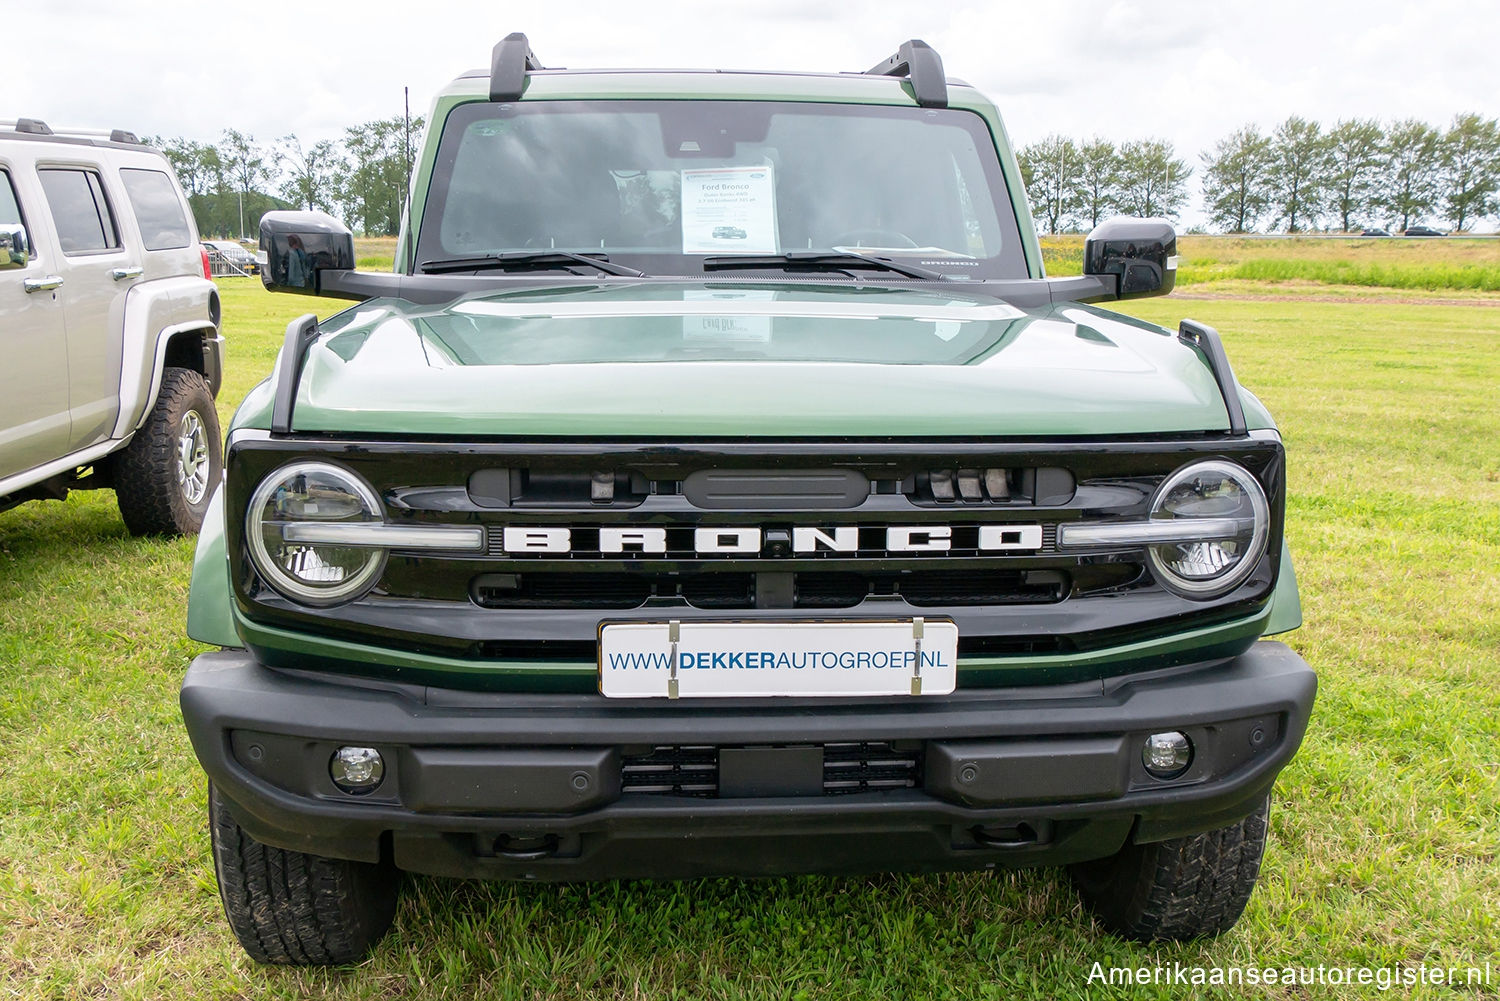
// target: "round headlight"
[[1226, 497], [313, 492]]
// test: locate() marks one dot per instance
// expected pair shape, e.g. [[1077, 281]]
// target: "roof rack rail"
[[920, 63], [37, 127], [509, 64]]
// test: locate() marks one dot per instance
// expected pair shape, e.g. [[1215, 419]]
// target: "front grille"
[[862, 767], [811, 589], [867, 766], [672, 771], [544, 598]]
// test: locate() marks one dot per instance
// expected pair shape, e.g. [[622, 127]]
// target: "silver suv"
[[112, 351]]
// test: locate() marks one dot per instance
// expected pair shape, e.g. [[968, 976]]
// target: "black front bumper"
[[530, 786]]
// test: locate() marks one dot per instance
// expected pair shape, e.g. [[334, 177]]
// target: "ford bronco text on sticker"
[[750, 659]]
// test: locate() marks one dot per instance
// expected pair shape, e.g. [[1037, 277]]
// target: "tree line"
[[1298, 177], [362, 177]]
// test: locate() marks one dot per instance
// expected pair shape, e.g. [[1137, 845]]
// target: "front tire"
[[1180, 889], [295, 909], [166, 475]]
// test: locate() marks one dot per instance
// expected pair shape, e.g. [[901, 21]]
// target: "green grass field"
[[1385, 830], [1449, 264]]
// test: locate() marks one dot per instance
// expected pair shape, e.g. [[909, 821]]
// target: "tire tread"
[[291, 908], [151, 502], [1180, 889]]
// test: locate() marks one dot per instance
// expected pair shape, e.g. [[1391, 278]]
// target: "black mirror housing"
[[300, 245], [1140, 253]]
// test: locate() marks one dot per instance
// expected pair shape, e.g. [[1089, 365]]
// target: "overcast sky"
[[1188, 72]]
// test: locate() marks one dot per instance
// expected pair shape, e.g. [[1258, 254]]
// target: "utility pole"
[[241, 196]]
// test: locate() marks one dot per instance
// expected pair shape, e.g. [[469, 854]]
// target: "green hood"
[[719, 359]]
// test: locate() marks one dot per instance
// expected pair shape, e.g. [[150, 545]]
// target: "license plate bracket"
[[740, 659]]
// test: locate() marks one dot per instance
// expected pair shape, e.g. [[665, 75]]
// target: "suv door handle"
[[120, 274], [42, 284]]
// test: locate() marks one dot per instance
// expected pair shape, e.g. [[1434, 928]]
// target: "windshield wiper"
[[817, 260], [535, 259]]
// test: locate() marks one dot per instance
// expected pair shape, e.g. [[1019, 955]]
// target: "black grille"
[[847, 768], [981, 587], [866, 766], [812, 589], [560, 590], [711, 590], [672, 771]]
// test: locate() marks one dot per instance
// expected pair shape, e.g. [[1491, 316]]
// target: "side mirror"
[[1140, 253], [298, 246], [15, 249]]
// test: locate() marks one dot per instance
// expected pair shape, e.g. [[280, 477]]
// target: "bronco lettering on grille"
[[748, 541]]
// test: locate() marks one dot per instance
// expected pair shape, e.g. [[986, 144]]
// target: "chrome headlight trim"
[[457, 539]]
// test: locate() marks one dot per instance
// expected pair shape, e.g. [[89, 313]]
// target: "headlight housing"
[[313, 493], [1229, 506]]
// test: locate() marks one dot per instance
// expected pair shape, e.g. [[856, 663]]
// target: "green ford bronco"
[[719, 486]]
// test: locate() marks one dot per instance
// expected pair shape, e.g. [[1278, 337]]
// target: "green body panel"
[[722, 359], [1286, 602], [280, 647], [210, 617], [688, 85]]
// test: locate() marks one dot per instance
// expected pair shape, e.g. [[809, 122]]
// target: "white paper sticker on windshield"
[[729, 210]]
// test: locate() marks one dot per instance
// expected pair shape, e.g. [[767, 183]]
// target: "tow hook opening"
[[1022, 834], [523, 847]]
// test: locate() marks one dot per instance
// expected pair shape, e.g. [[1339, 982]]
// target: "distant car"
[[1422, 231], [1375, 231], [235, 254]]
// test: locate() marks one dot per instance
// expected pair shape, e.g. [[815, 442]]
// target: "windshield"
[[668, 186]]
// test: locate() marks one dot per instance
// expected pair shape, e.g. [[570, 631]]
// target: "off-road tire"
[[150, 494], [1180, 889], [295, 909]]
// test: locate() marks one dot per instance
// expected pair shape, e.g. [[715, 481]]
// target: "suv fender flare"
[[156, 313], [210, 616]]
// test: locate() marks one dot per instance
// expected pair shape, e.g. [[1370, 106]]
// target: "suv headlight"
[[1228, 509], [1207, 529], [300, 496]]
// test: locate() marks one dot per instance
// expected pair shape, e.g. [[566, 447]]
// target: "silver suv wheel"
[[192, 457]]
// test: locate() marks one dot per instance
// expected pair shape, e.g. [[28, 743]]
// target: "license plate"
[[748, 659]]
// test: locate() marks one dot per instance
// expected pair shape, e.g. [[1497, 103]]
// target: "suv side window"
[[157, 208], [80, 210]]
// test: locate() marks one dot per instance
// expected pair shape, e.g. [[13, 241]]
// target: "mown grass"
[[1448, 263], [1386, 827]]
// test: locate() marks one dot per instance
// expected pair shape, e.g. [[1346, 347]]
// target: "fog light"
[[356, 770], [1167, 755]]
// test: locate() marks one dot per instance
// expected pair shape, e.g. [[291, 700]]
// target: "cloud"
[[1187, 71]]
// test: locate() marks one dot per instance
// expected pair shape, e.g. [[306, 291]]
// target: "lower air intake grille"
[[847, 768], [672, 771], [865, 766]]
